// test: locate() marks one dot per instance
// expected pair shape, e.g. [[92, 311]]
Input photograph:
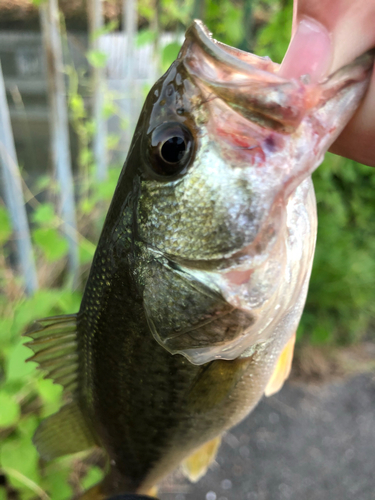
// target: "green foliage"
[[273, 40], [173, 12], [169, 54], [106, 29], [340, 304], [26, 398], [225, 20], [5, 227], [53, 245], [9, 410], [97, 58], [144, 37]]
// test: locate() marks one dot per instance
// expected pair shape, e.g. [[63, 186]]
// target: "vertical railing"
[[12, 191], [59, 129], [129, 24], [95, 14], [155, 25]]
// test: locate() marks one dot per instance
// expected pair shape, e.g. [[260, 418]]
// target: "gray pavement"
[[308, 442]]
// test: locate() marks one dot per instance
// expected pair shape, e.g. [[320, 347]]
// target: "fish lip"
[[236, 58]]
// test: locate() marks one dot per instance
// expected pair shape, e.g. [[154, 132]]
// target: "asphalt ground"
[[308, 442]]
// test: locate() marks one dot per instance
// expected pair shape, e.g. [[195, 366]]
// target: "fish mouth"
[[252, 87]]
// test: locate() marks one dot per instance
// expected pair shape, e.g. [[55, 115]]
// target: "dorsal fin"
[[55, 349]]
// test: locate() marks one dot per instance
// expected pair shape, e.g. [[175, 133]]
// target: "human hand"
[[326, 36]]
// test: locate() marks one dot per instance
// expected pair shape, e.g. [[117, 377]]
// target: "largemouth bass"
[[202, 268]]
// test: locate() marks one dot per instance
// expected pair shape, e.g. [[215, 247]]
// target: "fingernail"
[[309, 52]]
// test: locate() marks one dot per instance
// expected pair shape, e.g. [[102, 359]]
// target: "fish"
[[201, 272]]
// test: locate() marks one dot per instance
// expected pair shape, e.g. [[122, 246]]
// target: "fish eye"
[[170, 148]]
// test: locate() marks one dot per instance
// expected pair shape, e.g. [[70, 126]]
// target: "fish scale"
[[201, 272]]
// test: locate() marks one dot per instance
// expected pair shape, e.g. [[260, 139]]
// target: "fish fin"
[[282, 369], [55, 349], [63, 433], [152, 492], [215, 383], [195, 466]]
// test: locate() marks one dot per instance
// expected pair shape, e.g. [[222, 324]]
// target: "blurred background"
[[74, 77]]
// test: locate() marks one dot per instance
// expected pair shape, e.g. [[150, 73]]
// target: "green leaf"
[[109, 109], [86, 251], [108, 28], [77, 106], [9, 410], [44, 214], [50, 394], [17, 368], [27, 425], [112, 141], [5, 330], [232, 24], [87, 205], [169, 54], [20, 455], [43, 303], [144, 37], [97, 58], [94, 475], [85, 156], [43, 182], [49, 240], [57, 485], [5, 226]]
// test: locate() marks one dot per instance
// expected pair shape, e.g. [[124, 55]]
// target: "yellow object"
[[93, 493], [153, 492], [195, 466], [282, 370]]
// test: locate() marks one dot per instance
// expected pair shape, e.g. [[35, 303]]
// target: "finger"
[[357, 141], [350, 23], [310, 51]]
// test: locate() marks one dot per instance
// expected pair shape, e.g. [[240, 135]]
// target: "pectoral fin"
[[282, 369], [196, 465]]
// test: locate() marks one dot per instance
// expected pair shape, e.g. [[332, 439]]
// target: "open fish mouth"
[[273, 115], [266, 135]]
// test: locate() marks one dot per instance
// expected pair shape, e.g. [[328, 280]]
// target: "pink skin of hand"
[[325, 37]]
